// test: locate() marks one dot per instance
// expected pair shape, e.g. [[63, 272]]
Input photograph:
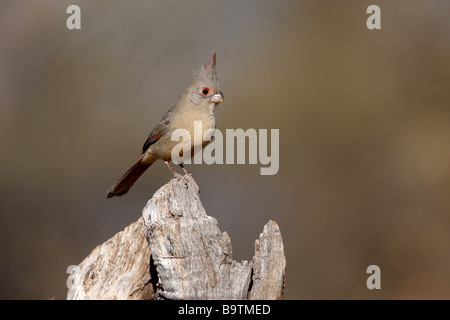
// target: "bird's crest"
[[208, 70]]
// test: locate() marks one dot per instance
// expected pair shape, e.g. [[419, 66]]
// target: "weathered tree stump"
[[116, 269], [190, 257]]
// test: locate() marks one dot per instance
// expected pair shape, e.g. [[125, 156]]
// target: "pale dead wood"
[[269, 265], [116, 269], [191, 258]]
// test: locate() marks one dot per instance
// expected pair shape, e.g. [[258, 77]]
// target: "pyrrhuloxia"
[[197, 103]]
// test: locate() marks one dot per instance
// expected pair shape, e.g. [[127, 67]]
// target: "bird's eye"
[[205, 91]]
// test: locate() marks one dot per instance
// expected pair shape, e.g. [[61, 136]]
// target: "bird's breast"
[[194, 119], [188, 130]]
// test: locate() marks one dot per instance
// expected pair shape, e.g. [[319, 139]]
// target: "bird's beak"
[[217, 98]]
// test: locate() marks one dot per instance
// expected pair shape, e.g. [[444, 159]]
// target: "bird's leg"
[[184, 169], [175, 174]]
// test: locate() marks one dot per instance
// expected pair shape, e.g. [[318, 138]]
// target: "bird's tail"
[[128, 179]]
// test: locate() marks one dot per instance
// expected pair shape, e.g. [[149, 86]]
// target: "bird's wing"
[[159, 131]]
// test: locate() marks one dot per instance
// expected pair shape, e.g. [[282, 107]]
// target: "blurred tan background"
[[364, 119]]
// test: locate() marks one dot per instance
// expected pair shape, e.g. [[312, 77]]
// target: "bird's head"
[[204, 90]]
